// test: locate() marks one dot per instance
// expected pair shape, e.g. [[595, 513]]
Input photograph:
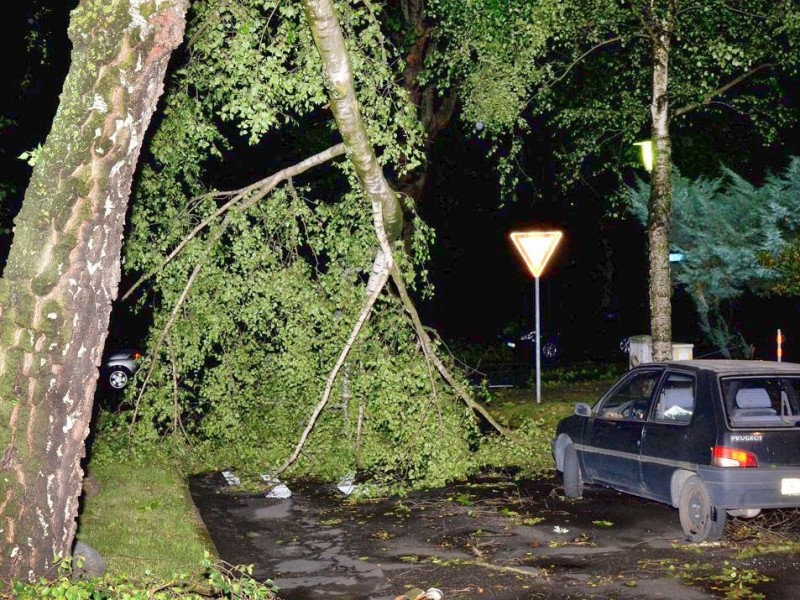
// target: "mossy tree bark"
[[63, 270]]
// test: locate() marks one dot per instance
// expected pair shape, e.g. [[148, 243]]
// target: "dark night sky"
[[481, 284]]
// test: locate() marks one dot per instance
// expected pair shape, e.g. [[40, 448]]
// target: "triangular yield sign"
[[536, 247]]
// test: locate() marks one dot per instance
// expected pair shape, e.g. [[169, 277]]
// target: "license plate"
[[790, 487]]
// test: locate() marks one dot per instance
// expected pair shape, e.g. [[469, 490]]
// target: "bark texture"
[[339, 79], [63, 270], [660, 206]]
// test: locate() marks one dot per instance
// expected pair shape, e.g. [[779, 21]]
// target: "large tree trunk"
[[63, 270], [434, 111], [660, 206]]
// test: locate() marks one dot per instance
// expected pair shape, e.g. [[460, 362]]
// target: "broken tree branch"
[[427, 345], [362, 318], [247, 196], [164, 332]]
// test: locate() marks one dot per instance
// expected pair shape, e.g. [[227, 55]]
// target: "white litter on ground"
[[231, 478], [346, 485], [279, 490]]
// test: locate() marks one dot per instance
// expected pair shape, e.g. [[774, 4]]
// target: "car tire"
[[700, 519], [573, 480], [118, 378]]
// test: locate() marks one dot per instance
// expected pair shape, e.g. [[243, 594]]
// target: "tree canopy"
[[584, 68]]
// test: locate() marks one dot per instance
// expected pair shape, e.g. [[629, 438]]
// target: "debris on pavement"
[[231, 478], [279, 489], [347, 485], [418, 594]]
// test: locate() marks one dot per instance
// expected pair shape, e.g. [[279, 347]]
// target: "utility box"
[[641, 351], [682, 351]]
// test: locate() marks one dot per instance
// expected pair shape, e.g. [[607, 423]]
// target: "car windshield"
[[762, 401]]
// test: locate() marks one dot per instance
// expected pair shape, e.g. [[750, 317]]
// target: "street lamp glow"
[[536, 248], [647, 153]]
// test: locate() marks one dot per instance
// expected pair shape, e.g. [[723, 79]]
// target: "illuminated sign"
[[536, 247]]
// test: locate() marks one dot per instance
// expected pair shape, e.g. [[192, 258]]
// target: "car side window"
[[676, 399], [631, 398]]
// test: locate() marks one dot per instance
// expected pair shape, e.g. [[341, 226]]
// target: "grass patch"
[[512, 406], [527, 449], [143, 520]]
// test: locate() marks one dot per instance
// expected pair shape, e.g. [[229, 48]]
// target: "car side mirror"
[[583, 410]]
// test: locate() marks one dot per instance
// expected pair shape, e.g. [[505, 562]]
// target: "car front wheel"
[[573, 480], [118, 379], [700, 519]]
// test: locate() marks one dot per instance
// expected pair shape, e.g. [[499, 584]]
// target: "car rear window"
[[762, 401]]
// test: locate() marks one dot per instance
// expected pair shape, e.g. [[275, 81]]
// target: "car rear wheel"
[[118, 378], [700, 519], [573, 480]]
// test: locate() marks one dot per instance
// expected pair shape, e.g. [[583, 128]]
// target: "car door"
[[612, 437], [669, 439]]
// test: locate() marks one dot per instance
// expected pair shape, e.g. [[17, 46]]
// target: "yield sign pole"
[[536, 248]]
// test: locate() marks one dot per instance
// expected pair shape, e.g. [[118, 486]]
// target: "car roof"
[[736, 367]]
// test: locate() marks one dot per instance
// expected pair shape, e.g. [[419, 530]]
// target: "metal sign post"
[[538, 347], [536, 248]]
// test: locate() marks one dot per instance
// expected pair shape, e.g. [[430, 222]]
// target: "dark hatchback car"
[[709, 437]]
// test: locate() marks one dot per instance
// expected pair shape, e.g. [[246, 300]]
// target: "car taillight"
[[137, 355], [723, 456]]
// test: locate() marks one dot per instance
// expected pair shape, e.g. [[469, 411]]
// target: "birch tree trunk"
[[660, 206], [63, 270], [339, 79]]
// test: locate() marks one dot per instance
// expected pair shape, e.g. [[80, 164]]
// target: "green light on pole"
[[647, 153]]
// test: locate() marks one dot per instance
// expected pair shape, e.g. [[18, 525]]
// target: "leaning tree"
[[63, 270]]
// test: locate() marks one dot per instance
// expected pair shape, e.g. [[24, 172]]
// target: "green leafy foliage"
[[220, 581], [732, 235], [787, 264], [583, 68], [248, 353]]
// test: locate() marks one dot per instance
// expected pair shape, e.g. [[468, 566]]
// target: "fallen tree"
[[252, 359]]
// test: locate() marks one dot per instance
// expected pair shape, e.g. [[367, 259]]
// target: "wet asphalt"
[[488, 538]]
